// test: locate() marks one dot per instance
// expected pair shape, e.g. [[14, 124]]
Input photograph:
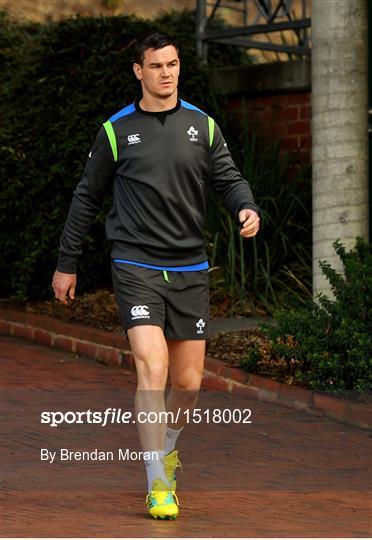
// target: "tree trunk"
[[340, 137]]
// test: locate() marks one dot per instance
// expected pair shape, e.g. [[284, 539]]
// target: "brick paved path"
[[286, 474]]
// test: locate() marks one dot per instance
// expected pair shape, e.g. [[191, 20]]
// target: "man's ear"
[[137, 71]]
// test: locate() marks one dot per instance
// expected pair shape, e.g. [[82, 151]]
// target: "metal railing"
[[259, 18]]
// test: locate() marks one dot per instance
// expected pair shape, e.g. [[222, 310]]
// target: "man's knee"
[[152, 372], [150, 355], [188, 380]]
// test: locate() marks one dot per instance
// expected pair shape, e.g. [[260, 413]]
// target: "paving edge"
[[113, 349]]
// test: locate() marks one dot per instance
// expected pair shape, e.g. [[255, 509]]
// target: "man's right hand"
[[64, 286]]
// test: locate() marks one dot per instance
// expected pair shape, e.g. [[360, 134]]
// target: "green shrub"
[[328, 344], [276, 266]]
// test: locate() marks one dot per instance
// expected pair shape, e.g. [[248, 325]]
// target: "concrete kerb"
[[113, 349]]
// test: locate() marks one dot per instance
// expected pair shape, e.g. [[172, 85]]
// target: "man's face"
[[160, 71]]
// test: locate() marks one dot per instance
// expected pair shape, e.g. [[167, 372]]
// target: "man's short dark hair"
[[157, 40]]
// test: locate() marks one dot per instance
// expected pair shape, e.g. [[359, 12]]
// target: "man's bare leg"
[[150, 353], [186, 365]]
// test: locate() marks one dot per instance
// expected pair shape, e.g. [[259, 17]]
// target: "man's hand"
[[64, 286], [250, 223]]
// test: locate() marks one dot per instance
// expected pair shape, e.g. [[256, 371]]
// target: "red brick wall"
[[283, 117]]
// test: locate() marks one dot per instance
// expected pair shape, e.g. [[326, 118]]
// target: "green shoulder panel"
[[211, 130], [112, 138]]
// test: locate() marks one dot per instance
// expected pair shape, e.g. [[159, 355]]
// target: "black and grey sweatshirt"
[[160, 173]]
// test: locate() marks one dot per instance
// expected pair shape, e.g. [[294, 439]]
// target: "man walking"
[[160, 155]]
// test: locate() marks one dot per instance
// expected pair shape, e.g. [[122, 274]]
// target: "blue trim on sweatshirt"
[[124, 112], [191, 107], [192, 267]]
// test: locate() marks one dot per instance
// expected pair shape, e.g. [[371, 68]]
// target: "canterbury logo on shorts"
[[140, 312]]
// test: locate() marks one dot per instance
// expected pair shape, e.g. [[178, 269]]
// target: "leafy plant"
[[327, 345], [274, 267]]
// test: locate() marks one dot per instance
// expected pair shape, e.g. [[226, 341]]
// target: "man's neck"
[[152, 104]]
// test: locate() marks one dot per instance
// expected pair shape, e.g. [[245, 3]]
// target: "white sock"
[[171, 439], [155, 468]]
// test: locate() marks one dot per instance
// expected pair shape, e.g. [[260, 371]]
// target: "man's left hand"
[[250, 223]]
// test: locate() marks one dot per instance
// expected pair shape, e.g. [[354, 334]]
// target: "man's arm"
[[233, 188], [86, 203]]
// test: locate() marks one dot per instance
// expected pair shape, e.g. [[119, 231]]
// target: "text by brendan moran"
[[121, 454]]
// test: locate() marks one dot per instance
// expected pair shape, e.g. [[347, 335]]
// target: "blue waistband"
[[192, 267]]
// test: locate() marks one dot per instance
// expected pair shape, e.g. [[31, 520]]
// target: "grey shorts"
[[179, 306]]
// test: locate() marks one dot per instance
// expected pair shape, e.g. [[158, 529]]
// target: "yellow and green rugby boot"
[[162, 503], [171, 464]]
